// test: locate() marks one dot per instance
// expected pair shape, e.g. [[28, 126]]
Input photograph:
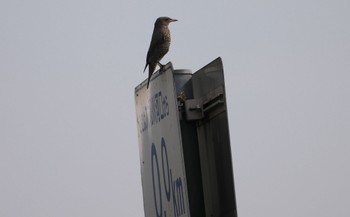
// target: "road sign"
[[184, 141], [163, 173]]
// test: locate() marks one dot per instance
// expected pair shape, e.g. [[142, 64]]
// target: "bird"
[[159, 45]]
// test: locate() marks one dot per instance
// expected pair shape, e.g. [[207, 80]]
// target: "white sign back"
[[161, 155]]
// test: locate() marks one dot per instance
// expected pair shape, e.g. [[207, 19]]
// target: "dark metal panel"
[[214, 142], [208, 78], [190, 146]]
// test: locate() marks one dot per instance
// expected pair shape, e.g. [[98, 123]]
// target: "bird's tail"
[[145, 67], [151, 68], [149, 78]]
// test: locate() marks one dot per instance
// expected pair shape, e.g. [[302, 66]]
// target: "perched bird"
[[159, 46]]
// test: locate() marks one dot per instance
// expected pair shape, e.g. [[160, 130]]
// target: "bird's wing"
[[157, 40]]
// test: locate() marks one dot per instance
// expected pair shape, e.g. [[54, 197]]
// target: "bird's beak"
[[173, 20]]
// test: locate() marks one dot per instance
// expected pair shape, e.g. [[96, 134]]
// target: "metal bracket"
[[196, 108]]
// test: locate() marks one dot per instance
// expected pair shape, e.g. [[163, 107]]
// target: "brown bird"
[[159, 46]]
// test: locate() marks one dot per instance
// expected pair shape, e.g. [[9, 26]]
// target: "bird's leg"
[[161, 66]]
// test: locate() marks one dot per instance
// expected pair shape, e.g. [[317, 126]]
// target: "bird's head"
[[164, 21]]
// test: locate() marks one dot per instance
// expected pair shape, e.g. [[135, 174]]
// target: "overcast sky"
[[68, 69]]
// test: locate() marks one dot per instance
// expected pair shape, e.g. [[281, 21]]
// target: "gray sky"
[[68, 139]]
